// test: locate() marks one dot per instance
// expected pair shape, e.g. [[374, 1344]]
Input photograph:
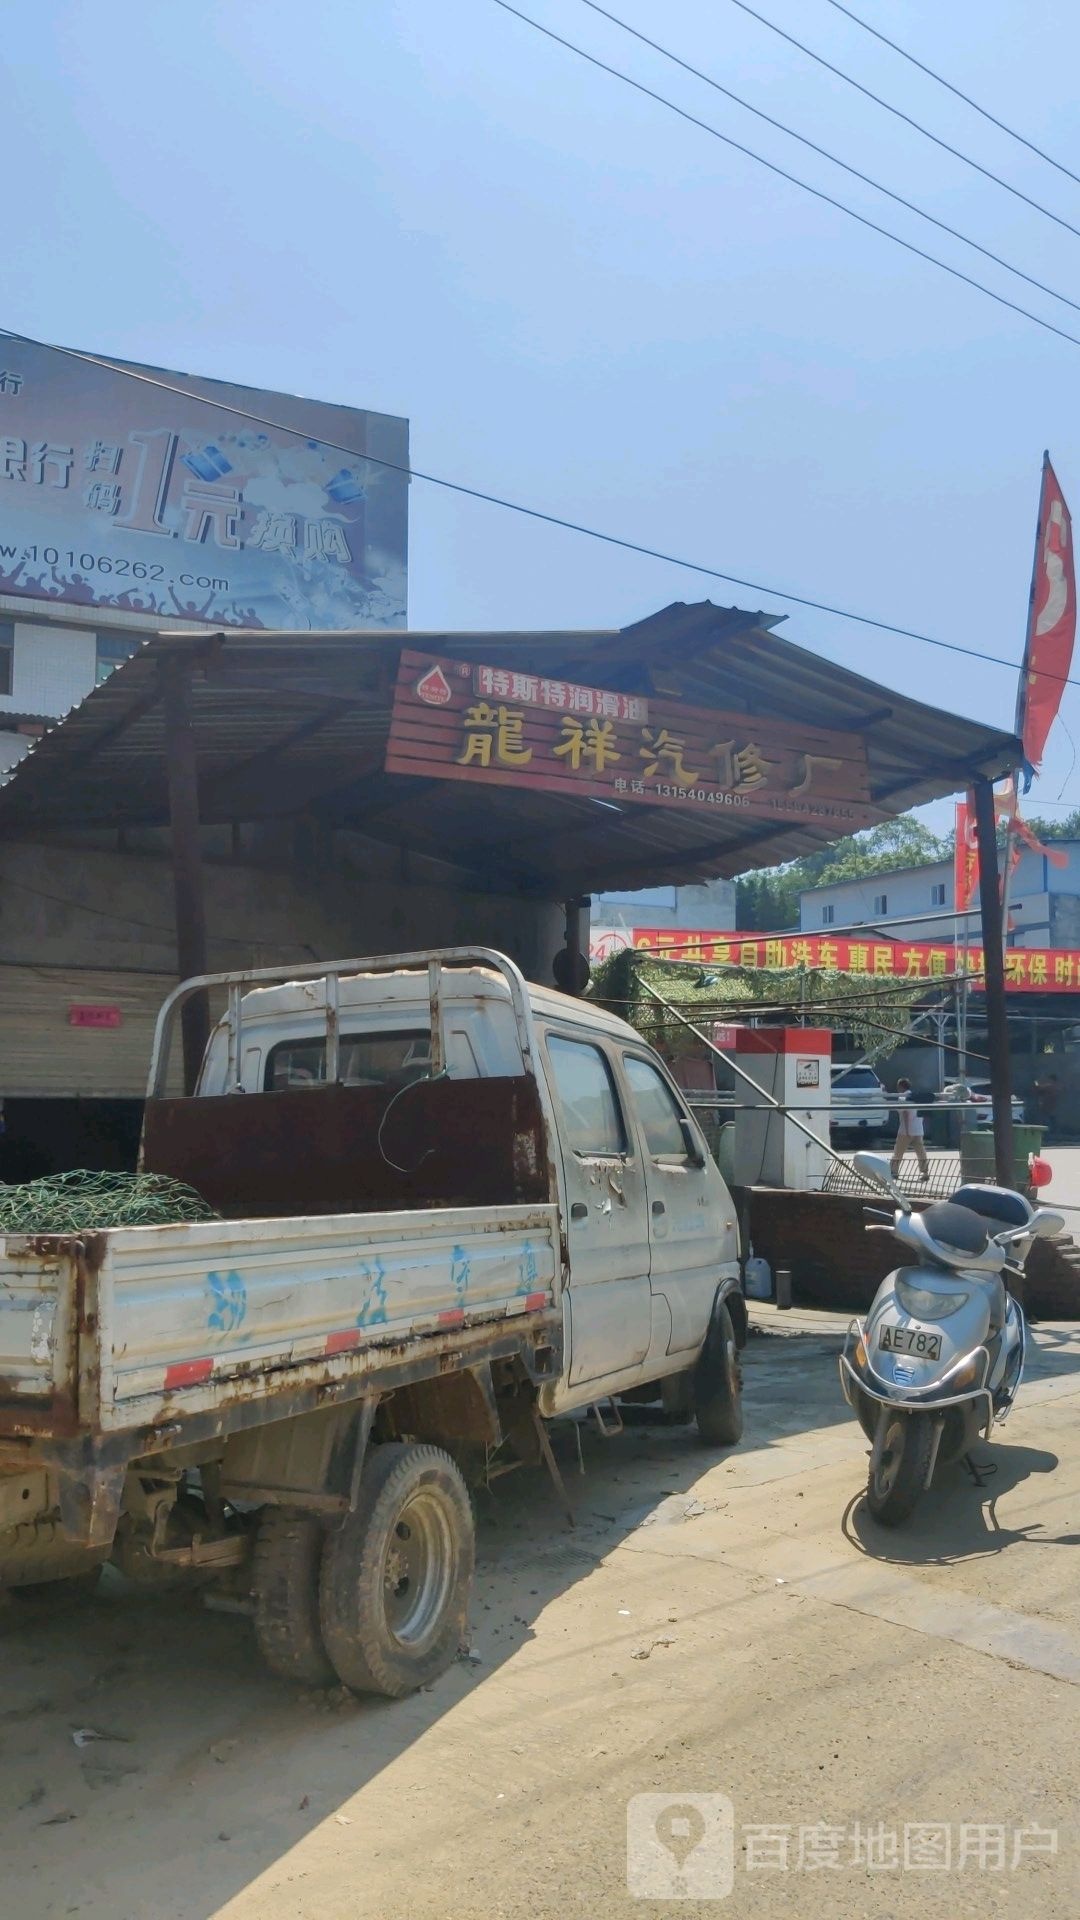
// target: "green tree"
[[769, 900], [1066, 829]]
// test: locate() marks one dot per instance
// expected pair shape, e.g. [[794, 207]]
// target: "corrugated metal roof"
[[297, 723]]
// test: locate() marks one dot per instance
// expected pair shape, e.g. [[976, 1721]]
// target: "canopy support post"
[[997, 1022], [188, 894]]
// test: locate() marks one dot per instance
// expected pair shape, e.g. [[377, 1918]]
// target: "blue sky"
[[581, 302]]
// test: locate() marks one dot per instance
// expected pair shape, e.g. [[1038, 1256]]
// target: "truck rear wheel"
[[285, 1576], [396, 1578]]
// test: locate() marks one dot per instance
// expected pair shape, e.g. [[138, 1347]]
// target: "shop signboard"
[[501, 726]]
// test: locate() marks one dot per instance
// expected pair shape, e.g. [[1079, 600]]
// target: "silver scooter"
[[938, 1359]]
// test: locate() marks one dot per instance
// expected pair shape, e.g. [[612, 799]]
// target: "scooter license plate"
[[893, 1339]]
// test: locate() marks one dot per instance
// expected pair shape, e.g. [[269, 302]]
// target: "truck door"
[[691, 1216], [609, 1296]]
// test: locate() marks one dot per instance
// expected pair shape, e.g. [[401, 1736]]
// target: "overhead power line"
[[530, 513], [794, 180], [958, 91], [1066, 806], [906, 117], [855, 172]]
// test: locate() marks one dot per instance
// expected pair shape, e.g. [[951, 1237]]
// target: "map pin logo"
[[680, 1828]]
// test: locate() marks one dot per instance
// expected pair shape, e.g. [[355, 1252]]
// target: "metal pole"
[[963, 990], [572, 965], [1022, 685], [997, 1024], [1006, 884], [183, 784], [1021, 700]]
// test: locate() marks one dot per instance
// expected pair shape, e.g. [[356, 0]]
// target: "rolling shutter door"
[[42, 1054]]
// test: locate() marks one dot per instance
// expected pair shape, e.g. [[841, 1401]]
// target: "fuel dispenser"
[[794, 1065]]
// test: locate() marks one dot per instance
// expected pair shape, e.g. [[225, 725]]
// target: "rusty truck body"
[[451, 1207]]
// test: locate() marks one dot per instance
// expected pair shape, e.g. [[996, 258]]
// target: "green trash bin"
[[722, 1142], [977, 1154]]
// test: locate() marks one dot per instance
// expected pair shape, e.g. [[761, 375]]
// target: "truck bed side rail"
[[206, 1314]]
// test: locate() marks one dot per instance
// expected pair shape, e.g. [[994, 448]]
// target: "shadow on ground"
[[194, 1770], [208, 1771], [957, 1519]]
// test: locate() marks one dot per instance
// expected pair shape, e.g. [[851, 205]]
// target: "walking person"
[[1047, 1091], [909, 1132]]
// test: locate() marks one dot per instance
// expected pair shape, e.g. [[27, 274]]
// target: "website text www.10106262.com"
[[104, 563]]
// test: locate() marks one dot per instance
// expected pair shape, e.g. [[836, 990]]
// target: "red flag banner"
[[966, 854], [966, 858], [1048, 650]]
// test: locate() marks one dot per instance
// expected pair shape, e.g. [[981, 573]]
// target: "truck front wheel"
[[396, 1578], [718, 1385]]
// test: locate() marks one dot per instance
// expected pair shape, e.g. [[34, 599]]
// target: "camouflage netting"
[[874, 1012], [80, 1202]]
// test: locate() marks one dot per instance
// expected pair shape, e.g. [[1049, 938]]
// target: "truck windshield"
[[365, 1060]]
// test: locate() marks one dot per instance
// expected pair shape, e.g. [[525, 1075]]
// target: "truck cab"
[[649, 1227]]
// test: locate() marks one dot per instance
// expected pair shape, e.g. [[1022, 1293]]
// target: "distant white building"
[[710, 906], [47, 667], [916, 903]]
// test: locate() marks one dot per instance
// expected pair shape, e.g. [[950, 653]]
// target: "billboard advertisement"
[[119, 494]]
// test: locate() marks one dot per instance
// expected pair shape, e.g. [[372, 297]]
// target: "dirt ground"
[[889, 1720]]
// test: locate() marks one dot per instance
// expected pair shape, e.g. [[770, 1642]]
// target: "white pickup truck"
[[452, 1207]]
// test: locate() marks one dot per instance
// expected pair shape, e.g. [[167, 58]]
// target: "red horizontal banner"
[[1027, 969]]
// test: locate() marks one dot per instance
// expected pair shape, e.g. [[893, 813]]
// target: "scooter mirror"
[[875, 1168], [1047, 1223]]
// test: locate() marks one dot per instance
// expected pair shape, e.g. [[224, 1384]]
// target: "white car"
[[977, 1093], [860, 1103]]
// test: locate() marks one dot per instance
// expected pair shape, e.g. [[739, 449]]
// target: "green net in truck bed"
[[81, 1201]]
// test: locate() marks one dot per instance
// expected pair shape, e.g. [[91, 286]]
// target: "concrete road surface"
[[826, 1719]]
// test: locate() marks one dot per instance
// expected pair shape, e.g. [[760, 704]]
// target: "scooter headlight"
[[926, 1303], [968, 1375]]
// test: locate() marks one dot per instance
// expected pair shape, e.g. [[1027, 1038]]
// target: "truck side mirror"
[[693, 1147]]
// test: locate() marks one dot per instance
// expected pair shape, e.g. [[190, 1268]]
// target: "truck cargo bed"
[[141, 1324]]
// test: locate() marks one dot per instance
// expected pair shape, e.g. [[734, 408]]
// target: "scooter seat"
[[998, 1206]]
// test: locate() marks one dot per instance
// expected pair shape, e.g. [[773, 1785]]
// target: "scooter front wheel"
[[898, 1467]]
